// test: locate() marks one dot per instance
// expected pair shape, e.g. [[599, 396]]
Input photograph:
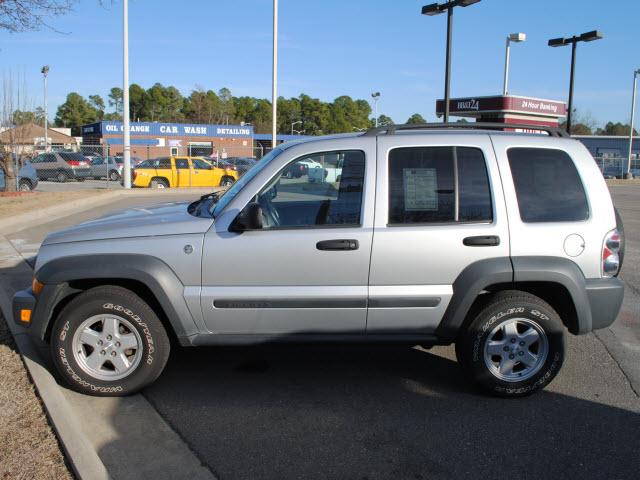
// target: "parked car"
[[241, 164], [168, 172], [62, 166], [27, 178], [499, 242], [331, 172], [110, 167], [301, 168], [135, 161]]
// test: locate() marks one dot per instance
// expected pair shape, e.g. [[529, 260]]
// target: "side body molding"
[[151, 271]]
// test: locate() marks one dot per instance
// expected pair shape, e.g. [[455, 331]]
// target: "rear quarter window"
[[547, 184]]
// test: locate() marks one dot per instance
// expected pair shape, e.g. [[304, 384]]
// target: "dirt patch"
[[28, 446], [12, 204], [620, 181]]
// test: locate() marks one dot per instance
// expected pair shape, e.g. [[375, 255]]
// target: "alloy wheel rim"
[[516, 349], [107, 347]]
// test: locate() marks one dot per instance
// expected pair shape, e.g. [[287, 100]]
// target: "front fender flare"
[[151, 271]]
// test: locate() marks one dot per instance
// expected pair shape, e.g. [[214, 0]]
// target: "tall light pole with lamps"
[[436, 9], [573, 41], [126, 134], [376, 97], [514, 37], [45, 72], [274, 77], [294, 123], [633, 111]]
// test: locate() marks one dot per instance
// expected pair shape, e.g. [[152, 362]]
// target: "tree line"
[[161, 103]]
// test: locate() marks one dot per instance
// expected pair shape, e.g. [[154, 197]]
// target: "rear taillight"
[[74, 163], [134, 174], [611, 254]]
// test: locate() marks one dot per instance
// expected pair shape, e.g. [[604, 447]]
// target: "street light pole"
[[436, 9], [514, 37], [376, 97], [633, 111], [274, 78], [126, 134], [294, 123], [45, 72], [561, 42]]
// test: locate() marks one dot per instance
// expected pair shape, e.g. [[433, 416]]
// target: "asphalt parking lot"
[[50, 186], [396, 412]]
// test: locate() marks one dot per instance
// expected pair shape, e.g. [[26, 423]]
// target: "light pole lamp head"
[[591, 36], [431, 9], [517, 37], [375, 95], [557, 42], [466, 3], [45, 70]]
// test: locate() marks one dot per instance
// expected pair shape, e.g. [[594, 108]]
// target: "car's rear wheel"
[[514, 346], [62, 177], [108, 342], [114, 176], [159, 183], [227, 181], [25, 186]]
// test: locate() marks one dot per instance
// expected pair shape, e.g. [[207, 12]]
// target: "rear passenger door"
[[549, 211], [439, 209]]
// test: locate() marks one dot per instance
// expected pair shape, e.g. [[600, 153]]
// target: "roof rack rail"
[[391, 129]]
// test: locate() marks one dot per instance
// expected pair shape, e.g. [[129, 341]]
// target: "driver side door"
[[306, 271]]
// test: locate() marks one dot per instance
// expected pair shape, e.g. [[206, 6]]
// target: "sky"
[[330, 48]]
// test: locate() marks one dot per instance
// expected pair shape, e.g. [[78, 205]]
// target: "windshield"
[[246, 178]]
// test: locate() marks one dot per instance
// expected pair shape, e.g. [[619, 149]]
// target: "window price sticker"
[[420, 185]]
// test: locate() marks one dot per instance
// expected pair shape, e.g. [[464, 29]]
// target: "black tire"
[[80, 179], [25, 186], [499, 308], [159, 183], [115, 301], [62, 177], [227, 181], [114, 176]]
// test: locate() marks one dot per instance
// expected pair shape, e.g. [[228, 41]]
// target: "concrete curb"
[[84, 460], [61, 210]]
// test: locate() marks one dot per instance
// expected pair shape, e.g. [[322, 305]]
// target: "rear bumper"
[[605, 299]]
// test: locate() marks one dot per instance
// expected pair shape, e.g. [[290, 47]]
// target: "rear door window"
[[438, 185], [547, 185]]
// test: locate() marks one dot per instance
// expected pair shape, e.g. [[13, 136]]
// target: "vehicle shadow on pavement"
[[309, 411]]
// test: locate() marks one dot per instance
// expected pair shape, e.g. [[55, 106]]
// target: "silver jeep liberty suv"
[[496, 241]]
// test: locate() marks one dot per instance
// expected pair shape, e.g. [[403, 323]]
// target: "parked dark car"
[[241, 164], [27, 178], [62, 166]]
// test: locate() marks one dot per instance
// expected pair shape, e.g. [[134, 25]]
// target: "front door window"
[[320, 189]]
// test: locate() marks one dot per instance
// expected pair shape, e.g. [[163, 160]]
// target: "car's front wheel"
[[514, 346], [108, 342]]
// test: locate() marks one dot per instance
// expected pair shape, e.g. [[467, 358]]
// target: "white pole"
[[126, 140], [274, 79], [633, 111], [375, 109], [46, 134], [506, 67]]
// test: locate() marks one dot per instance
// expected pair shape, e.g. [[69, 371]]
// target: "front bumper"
[[605, 299], [23, 300]]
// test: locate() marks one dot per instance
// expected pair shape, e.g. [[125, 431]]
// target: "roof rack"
[[391, 129]]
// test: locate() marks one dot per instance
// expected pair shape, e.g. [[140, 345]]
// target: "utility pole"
[[45, 72], [633, 111], [274, 78], [376, 97], [126, 134]]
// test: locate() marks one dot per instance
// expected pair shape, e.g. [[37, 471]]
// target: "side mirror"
[[250, 218]]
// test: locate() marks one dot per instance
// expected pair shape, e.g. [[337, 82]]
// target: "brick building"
[[154, 139]]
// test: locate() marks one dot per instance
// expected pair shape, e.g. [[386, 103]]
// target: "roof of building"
[[30, 134]]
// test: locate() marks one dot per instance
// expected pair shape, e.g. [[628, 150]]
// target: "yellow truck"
[[169, 172]]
